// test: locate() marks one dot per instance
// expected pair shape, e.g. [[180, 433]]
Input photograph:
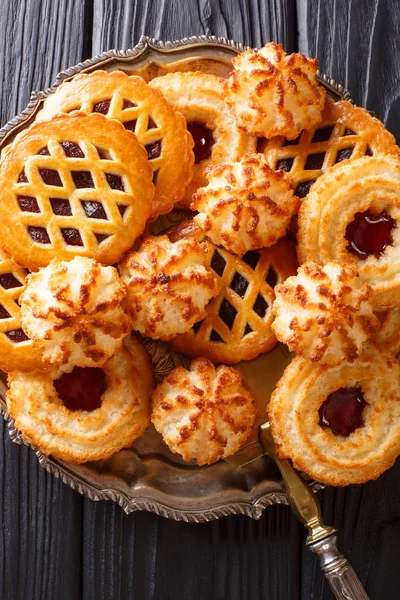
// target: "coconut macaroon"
[[73, 310], [203, 414], [324, 314], [246, 205], [168, 285], [272, 93]]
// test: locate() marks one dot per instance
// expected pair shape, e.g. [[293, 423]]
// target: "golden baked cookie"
[[16, 349], [168, 285], [160, 129], [76, 185], [352, 215], [388, 336], [217, 139], [237, 323], [73, 311], [246, 205], [83, 414], [203, 414], [340, 425], [272, 93], [324, 314], [345, 132]]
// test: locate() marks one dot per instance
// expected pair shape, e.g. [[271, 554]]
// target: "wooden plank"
[[40, 537]]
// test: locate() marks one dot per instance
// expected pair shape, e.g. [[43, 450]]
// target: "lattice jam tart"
[[141, 109], [217, 139], [345, 132], [76, 185], [16, 349], [238, 320]]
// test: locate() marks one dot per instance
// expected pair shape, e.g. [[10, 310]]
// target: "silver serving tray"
[[148, 476]]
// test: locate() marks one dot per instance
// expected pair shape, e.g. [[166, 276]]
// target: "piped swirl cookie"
[[168, 285], [345, 132], [203, 414], [84, 414], [246, 205], [272, 93], [340, 425], [352, 215], [17, 350], [76, 185], [237, 321], [73, 311], [143, 110], [217, 139], [324, 314]]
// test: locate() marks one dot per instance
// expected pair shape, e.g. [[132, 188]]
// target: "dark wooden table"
[[55, 544]]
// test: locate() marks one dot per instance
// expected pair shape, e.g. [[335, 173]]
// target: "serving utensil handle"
[[340, 575]]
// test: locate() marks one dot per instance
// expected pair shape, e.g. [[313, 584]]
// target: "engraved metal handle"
[[321, 538], [338, 572]]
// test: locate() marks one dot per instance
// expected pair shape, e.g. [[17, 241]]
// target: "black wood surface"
[[54, 544]]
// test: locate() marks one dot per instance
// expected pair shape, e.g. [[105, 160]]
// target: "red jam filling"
[[203, 140], [82, 388], [342, 411], [369, 234]]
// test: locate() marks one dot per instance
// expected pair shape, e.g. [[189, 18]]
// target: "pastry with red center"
[[84, 414], [352, 215], [340, 424], [73, 312], [217, 138], [204, 413], [272, 93]]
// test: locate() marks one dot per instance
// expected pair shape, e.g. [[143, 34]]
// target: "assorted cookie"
[[159, 128], [81, 273]]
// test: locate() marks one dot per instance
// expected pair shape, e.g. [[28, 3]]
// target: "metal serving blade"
[[321, 538]]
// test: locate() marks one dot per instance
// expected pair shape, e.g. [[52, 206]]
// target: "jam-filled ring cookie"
[[345, 132], [352, 215], [204, 413], [388, 336], [237, 323], [160, 129], [272, 93], [17, 350], [76, 185], [73, 311], [217, 139], [340, 425], [83, 414]]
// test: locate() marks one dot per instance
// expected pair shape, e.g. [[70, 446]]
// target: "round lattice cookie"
[[76, 185], [238, 321], [345, 132], [16, 349], [160, 129], [217, 139]]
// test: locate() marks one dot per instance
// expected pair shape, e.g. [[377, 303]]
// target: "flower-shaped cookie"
[[203, 414], [73, 310], [246, 204], [272, 93], [324, 313], [168, 285]]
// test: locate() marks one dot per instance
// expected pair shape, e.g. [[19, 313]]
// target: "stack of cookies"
[[264, 162]]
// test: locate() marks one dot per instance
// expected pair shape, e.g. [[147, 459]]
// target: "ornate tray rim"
[[254, 506]]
